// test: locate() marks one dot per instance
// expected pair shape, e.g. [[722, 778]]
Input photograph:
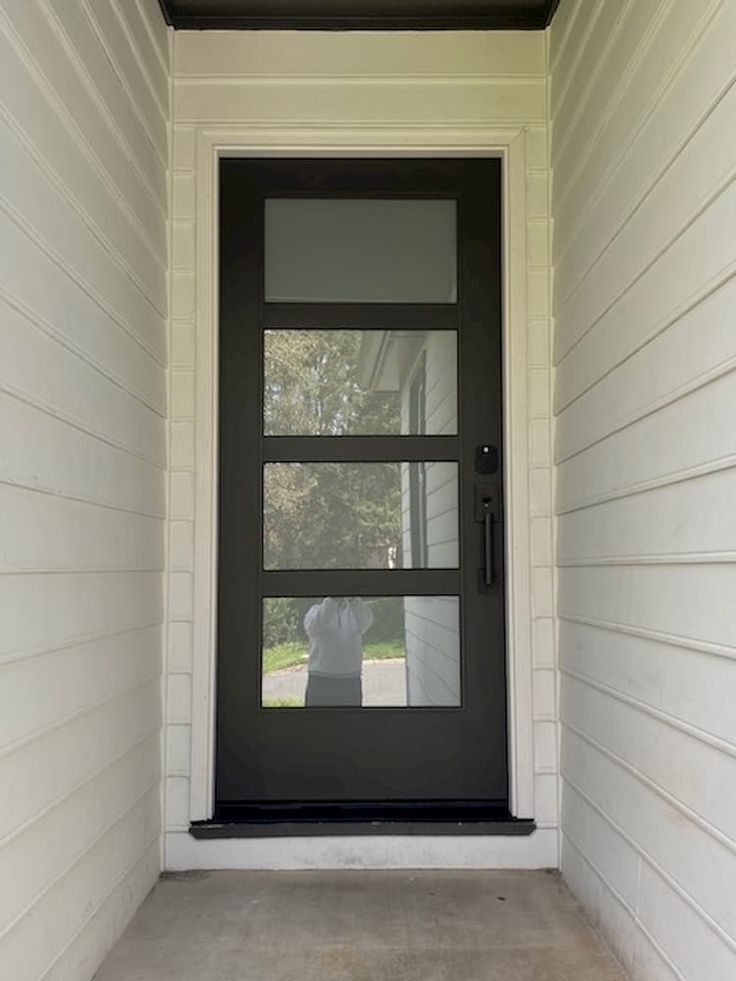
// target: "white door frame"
[[509, 145]]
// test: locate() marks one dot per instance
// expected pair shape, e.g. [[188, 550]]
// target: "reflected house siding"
[[431, 622]]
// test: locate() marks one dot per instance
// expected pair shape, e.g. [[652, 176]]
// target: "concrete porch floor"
[[360, 926]]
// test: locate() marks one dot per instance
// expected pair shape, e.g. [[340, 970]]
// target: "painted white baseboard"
[[535, 851]]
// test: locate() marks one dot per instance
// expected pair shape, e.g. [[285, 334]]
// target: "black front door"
[[361, 654]]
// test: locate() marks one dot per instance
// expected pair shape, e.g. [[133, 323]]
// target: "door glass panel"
[[360, 250], [360, 515], [361, 651], [360, 382]]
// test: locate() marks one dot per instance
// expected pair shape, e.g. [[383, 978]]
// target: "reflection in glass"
[[361, 651], [360, 383], [360, 515], [360, 250]]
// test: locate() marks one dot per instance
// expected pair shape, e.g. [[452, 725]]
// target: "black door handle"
[[489, 550]]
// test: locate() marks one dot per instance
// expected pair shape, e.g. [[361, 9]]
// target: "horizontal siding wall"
[[353, 81], [83, 307], [643, 107]]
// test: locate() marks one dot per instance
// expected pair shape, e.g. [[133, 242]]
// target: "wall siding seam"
[[476, 130], [572, 65], [661, 558], [432, 647], [45, 86], [704, 205], [553, 62], [123, 877], [426, 667], [78, 208], [133, 895], [10, 659], [326, 79], [651, 408], [163, 110], [666, 480], [39, 488], [655, 787], [654, 865], [162, 58], [624, 81], [69, 419], [584, 96], [190, 78], [87, 570], [701, 735], [23, 742], [125, 85], [48, 808], [28, 909], [583, 215], [46, 328], [473, 125], [638, 202], [77, 641], [614, 99], [717, 282], [709, 199], [632, 911], [58, 260], [115, 195], [676, 640]]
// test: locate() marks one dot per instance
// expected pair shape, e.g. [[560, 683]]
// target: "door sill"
[[410, 818]]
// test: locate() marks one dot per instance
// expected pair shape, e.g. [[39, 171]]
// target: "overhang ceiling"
[[359, 14]]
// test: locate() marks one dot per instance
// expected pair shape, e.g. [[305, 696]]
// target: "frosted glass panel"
[[342, 250]]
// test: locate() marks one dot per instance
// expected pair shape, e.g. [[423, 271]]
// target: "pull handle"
[[489, 550]]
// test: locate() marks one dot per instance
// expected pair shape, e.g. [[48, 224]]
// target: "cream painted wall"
[[83, 298], [644, 204], [350, 84]]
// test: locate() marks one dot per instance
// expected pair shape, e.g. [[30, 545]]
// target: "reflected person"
[[335, 629]]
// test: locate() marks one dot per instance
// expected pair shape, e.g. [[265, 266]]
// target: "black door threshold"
[[410, 818]]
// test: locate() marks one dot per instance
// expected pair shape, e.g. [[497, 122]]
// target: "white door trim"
[[509, 145]]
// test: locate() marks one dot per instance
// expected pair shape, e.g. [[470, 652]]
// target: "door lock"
[[486, 459]]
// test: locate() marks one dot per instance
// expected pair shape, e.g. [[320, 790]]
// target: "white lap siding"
[[83, 298], [644, 158]]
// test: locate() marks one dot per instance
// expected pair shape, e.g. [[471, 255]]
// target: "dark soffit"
[[346, 15]]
